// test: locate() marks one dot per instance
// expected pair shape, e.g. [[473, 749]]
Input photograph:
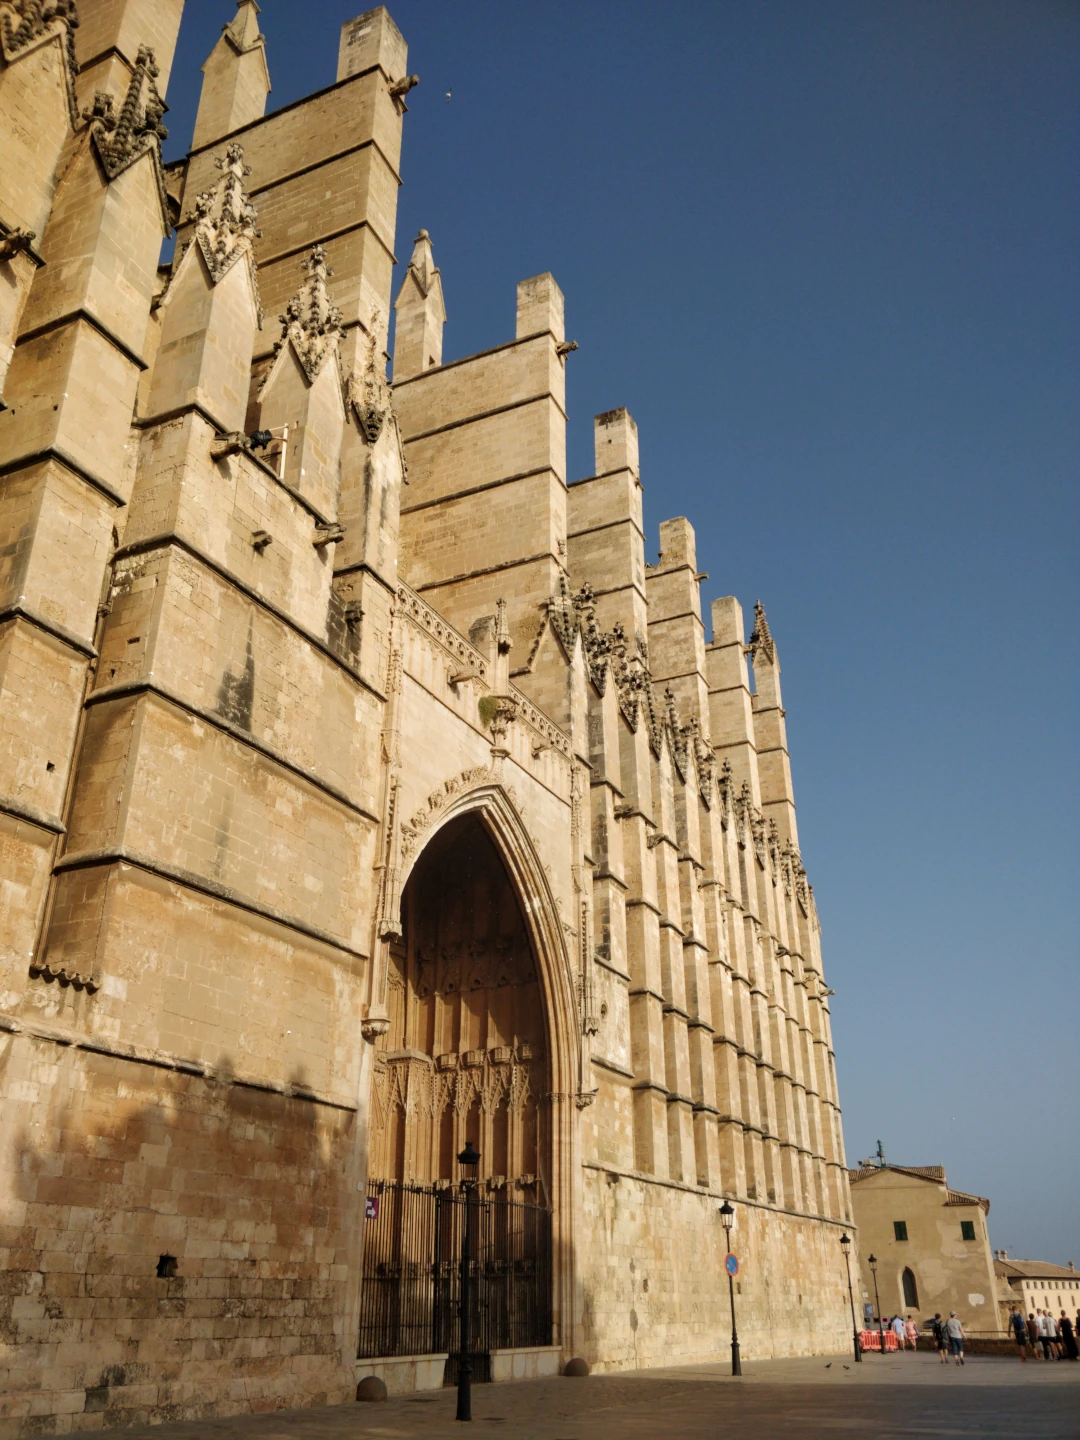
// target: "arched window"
[[911, 1290]]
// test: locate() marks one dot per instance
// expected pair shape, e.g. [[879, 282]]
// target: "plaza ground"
[[893, 1399]]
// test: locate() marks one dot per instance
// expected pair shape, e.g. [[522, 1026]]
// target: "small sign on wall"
[[371, 1208]]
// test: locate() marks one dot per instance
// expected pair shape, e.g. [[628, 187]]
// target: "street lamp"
[[469, 1159], [845, 1245], [871, 1260], [727, 1216]]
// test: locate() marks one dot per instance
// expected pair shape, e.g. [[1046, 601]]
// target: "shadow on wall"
[[176, 1244]]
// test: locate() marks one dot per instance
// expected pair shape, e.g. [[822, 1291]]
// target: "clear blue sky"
[[826, 254]]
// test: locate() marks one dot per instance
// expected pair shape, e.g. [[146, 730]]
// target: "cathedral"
[[367, 799]]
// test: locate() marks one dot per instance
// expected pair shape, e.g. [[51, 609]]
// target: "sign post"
[[731, 1265]]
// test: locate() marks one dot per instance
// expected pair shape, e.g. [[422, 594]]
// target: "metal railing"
[[411, 1288]]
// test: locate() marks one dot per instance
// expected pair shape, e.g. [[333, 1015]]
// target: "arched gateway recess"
[[465, 1057]]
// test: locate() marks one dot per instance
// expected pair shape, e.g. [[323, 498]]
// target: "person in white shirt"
[[955, 1331], [898, 1331]]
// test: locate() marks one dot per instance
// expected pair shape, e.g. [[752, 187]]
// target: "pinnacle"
[[761, 640], [312, 322], [422, 263], [244, 26], [224, 216]]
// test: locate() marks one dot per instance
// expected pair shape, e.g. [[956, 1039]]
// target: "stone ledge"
[[529, 1362], [403, 1374]]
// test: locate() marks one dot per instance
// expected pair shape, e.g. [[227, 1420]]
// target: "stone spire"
[[210, 310], [761, 642], [301, 400], [236, 80], [312, 322], [421, 314]]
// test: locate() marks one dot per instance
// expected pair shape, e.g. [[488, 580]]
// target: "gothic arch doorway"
[[465, 1057]]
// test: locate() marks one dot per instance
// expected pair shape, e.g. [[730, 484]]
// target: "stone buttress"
[[193, 663], [280, 643]]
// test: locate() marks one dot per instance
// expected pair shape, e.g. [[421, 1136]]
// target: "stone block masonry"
[[362, 791]]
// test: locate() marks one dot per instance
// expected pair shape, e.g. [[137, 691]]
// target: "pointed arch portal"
[[478, 1048], [465, 1056]]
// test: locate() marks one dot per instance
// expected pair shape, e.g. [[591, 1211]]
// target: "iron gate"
[[410, 1301]]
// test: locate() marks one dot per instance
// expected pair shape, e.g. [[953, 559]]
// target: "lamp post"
[[871, 1260], [727, 1215], [469, 1159], [845, 1245]]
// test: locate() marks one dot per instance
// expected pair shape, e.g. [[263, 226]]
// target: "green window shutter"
[[967, 1229], [900, 1229]]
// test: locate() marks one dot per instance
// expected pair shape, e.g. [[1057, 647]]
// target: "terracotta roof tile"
[[924, 1172], [1034, 1270]]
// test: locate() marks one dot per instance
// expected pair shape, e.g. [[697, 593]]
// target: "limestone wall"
[[229, 726], [122, 1164], [645, 1302]]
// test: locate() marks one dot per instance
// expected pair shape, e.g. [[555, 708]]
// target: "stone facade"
[[931, 1243], [280, 642]]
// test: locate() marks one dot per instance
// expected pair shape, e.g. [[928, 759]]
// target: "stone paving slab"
[[901, 1398]]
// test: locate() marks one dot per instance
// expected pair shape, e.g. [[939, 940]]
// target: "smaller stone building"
[[1036, 1285], [931, 1242]]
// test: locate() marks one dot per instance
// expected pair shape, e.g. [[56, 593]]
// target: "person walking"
[[898, 1330], [1068, 1337], [1033, 1333], [955, 1331], [1045, 1333], [1019, 1329], [940, 1338], [911, 1333]]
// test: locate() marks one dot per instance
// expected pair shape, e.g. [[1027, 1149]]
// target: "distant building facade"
[[1036, 1285], [931, 1244], [362, 792]]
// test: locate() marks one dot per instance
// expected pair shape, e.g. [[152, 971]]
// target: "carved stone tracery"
[[125, 136], [224, 217], [436, 802], [26, 23], [312, 322]]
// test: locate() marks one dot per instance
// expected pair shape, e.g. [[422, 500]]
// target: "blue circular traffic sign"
[[731, 1265]]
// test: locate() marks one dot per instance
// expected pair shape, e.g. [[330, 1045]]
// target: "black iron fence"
[[410, 1301]]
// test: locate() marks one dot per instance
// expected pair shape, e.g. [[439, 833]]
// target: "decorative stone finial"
[[34, 19], [121, 139], [312, 322], [761, 641], [422, 265], [225, 217]]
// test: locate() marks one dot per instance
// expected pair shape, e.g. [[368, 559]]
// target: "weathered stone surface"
[[362, 791]]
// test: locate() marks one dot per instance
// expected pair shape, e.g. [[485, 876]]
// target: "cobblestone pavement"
[[900, 1397]]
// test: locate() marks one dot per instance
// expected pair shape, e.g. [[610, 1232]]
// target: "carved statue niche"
[[465, 1053]]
